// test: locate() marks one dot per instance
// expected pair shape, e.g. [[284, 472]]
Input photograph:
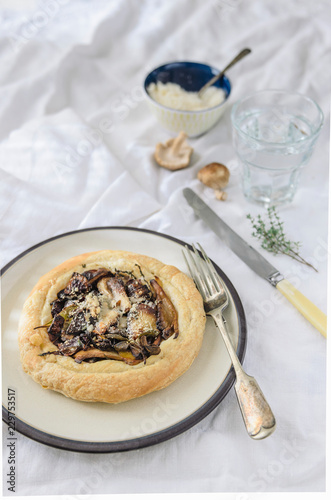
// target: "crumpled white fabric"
[[76, 149], [57, 176]]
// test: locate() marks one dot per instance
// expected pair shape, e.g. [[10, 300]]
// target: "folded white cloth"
[[56, 176], [76, 151]]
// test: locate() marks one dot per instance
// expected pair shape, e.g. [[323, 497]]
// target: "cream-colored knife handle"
[[314, 315]]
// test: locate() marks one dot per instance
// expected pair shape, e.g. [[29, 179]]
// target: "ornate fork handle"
[[258, 417]]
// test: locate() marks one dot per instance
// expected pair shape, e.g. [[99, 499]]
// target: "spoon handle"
[[238, 57]]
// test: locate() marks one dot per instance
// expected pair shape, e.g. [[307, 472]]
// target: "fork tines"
[[203, 272]]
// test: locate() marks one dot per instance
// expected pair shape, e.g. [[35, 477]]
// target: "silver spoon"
[[241, 54]]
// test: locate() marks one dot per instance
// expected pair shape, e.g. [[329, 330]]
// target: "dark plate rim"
[[157, 437]]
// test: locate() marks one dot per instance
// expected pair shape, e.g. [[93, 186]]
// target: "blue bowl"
[[191, 76]]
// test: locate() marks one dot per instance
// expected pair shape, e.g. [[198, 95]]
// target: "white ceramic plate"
[[53, 419]]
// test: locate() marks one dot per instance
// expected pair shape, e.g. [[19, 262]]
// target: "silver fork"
[[258, 417]]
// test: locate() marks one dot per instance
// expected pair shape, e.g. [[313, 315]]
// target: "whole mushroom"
[[174, 154], [214, 175]]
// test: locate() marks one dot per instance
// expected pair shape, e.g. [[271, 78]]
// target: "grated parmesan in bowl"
[[174, 96], [172, 90]]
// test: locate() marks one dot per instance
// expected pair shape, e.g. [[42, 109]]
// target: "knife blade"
[[256, 261]]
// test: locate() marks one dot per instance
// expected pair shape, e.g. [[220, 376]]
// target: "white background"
[[76, 145]]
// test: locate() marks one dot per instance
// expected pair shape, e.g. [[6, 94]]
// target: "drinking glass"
[[274, 134]]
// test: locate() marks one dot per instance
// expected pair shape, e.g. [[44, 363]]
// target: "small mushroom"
[[214, 175], [220, 195], [174, 154]]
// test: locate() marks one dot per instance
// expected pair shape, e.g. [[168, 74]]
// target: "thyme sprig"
[[273, 238]]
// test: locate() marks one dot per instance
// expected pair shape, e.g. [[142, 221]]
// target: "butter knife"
[[256, 261]]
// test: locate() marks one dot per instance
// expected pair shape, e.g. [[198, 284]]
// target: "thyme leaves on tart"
[[111, 315]]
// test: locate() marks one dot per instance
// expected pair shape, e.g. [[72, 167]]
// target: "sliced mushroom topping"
[[125, 276], [103, 288], [144, 341], [138, 291], [70, 347], [78, 284], [57, 306], [137, 351], [102, 343], [153, 349], [150, 348], [115, 336], [68, 303], [78, 324], [54, 331], [167, 320], [122, 346], [142, 321], [120, 298], [94, 275], [67, 314], [97, 353], [99, 315]]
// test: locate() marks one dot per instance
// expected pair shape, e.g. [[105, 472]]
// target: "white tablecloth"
[[76, 145]]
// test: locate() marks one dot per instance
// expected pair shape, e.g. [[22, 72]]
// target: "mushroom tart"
[[110, 326]]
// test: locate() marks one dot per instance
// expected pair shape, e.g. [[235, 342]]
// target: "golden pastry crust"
[[110, 381]]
